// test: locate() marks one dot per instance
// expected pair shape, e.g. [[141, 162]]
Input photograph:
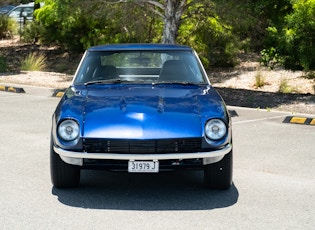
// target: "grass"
[[284, 87], [34, 62], [260, 80]]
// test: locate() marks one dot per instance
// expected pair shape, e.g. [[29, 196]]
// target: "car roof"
[[140, 46], [6, 8], [31, 4], [27, 4]]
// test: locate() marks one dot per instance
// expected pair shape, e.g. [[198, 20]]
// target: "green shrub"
[[34, 62], [302, 23], [212, 39], [7, 27], [270, 58], [31, 32], [3, 26], [76, 25], [222, 44], [295, 39]]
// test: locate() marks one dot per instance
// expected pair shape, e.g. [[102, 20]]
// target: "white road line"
[[10, 96], [30, 96], [260, 119]]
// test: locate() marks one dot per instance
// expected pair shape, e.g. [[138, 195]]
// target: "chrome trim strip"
[[64, 154]]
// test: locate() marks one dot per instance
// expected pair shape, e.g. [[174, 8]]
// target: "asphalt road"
[[274, 179]]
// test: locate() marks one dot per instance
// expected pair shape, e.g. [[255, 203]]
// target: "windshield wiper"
[[175, 83], [107, 81]]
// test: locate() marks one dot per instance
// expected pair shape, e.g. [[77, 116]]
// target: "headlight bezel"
[[215, 129], [72, 133]]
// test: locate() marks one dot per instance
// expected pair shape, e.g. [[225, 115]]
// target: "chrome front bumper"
[[76, 158]]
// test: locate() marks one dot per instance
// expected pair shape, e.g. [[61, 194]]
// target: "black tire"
[[219, 175], [63, 175]]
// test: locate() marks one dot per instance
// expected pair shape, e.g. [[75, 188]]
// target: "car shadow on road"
[[180, 190]]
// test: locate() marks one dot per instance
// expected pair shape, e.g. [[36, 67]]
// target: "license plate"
[[143, 166]]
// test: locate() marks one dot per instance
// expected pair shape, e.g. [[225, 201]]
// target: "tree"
[[171, 12], [75, 25], [301, 29], [294, 39]]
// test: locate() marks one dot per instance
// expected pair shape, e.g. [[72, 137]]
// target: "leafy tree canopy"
[[217, 29]]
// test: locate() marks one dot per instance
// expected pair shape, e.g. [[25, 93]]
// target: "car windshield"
[[151, 67]]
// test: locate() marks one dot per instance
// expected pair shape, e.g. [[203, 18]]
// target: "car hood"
[[148, 112]]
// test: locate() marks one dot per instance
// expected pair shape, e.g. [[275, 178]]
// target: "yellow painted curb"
[[11, 89], [58, 92], [299, 120]]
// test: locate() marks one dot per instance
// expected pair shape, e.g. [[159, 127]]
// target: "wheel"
[[63, 175], [219, 175]]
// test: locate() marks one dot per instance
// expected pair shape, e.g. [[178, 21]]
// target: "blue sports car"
[[141, 108]]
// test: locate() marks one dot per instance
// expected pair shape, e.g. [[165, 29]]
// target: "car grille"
[[142, 146]]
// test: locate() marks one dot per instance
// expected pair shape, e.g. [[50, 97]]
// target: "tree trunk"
[[172, 19]]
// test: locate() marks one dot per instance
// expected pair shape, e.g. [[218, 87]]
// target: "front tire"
[[63, 175], [219, 175]]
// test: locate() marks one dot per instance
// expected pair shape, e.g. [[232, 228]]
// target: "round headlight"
[[215, 129], [68, 130]]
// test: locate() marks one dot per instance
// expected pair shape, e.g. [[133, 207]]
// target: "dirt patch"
[[38, 78], [238, 86], [57, 60]]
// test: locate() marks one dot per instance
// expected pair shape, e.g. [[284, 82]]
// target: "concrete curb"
[[11, 89], [58, 92], [299, 120]]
